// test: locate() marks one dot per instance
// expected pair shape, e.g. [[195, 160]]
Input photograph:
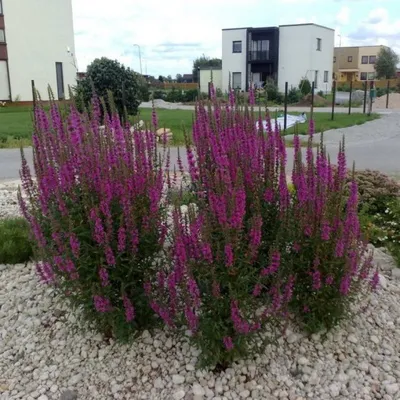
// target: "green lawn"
[[16, 123]]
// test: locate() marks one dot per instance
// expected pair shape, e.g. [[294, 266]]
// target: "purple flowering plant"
[[96, 211]]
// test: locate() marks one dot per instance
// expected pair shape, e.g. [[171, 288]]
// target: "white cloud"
[[171, 34], [343, 16]]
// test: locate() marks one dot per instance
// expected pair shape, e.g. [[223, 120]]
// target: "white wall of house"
[[299, 57], [205, 77], [38, 33], [233, 62]]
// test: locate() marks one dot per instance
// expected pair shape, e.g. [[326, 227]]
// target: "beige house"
[[355, 63]]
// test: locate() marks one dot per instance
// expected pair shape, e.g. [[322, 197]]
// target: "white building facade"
[[36, 43], [209, 74], [287, 53]]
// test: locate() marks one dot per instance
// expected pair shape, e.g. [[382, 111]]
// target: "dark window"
[[2, 36], [1, 7], [350, 59], [364, 60], [237, 80], [363, 76], [316, 80], [237, 46], [60, 81], [319, 44], [326, 74], [372, 59], [334, 59], [259, 50]]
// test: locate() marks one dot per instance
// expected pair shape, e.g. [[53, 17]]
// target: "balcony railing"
[[259, 55]]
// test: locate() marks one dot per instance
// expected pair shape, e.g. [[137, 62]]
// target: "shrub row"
[[247, 254]]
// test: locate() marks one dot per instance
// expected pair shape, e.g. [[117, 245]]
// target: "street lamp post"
[[140, 58]]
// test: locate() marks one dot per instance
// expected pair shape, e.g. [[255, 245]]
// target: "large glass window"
[[237, 80]]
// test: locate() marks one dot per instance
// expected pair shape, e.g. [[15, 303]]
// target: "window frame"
[[233, 46], [363, 74], [326, 76], [319, 44], [1, 7], [363, 58], [349, 59], [369, 59], [233, 87]]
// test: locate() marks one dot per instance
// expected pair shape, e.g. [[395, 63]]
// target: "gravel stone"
[[42, 353], [69, 395]]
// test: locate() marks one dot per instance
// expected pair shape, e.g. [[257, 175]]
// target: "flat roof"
[[359, 47], [283, 26], [309, 24], [210, 68]]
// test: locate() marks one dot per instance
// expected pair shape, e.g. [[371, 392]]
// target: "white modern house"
[[36, 43], [286, 53]]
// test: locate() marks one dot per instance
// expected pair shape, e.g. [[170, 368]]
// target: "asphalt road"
[[374, 145]]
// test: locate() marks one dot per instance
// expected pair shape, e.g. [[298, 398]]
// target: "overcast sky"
[[171, 33]]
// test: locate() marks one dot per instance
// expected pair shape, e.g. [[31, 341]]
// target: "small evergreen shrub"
[[305, 87], [96, 213], [15, 243], [294, 96]]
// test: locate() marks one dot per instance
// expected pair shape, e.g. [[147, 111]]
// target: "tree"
[[161, 78], [179, 78], [109, 75], [204, 61], [386, 64]]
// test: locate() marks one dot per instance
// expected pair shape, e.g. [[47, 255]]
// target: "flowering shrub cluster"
[[247, 253], [95, 210]]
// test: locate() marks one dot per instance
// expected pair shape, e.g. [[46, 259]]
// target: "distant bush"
[[160, 94], [15, 244], [294, 96], [343, 87], [272, 92], [305, 87], [321, 93]]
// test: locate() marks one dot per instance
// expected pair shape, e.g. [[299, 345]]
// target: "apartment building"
[[355, 63], [287, 53], [36, 43]]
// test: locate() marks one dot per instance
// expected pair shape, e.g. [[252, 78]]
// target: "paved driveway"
[[374, 145]]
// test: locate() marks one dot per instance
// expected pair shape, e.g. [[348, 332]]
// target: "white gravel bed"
[[43, 355], [8, 199]]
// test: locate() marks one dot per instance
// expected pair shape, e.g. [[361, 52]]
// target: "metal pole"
[[140, 58], [333, 99], [351, 92], [285, 104], [387, 93], [34, 100], [371, 86], [365, 97], [312, 99]]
